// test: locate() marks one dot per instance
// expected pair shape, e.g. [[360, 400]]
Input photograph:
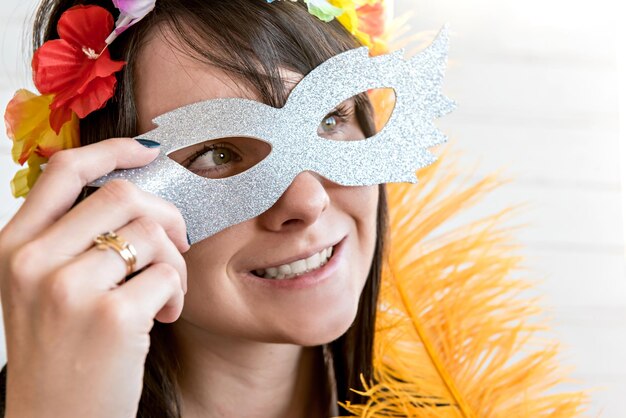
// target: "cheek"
[[365, 212], [220, 304], [367, 216], [361, 204], [365, 202], [214, 302], [338, 310]]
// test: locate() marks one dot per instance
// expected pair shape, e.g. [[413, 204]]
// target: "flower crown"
[[75, 74]]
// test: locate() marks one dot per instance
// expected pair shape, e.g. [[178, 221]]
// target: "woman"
[[243, 343]]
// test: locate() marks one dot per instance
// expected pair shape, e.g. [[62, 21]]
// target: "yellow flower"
[[27, 119], [24, 179], [349, 18]]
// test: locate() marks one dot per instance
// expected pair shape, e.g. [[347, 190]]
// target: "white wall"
[[13, 75], [537, 86]]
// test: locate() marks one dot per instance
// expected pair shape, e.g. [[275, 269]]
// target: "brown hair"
[[254, 39]]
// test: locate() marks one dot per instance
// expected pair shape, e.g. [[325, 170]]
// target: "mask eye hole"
[[360, 117], [223, 157]]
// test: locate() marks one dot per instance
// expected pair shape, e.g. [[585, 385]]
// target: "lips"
[[302, 282], [296, 266]]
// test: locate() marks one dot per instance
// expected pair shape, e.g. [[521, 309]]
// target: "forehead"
[[167, 77]]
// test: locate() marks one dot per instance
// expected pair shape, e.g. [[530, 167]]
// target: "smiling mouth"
[[296, 268]]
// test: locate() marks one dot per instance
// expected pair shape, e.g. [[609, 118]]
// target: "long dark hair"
[[251, 40]]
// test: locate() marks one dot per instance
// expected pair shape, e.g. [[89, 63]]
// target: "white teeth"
[[298, 266], [313, 261], [287, 271]]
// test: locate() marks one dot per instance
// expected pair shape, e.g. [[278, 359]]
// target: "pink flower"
[[131, 12]]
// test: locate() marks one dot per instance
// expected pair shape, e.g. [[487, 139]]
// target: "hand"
[[76, 340]]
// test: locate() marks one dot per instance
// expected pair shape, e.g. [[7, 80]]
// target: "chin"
[[318, 328]]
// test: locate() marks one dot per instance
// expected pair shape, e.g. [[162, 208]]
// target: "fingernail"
[[148, 143], [188, 239]]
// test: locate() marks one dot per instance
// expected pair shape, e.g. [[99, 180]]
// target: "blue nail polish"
[[188, 239], [148, 143]]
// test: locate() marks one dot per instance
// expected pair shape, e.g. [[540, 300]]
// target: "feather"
[[455, 335]]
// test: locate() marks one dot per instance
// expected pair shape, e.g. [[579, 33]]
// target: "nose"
[[300, 205]]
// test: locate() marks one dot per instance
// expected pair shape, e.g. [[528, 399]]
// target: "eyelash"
[[343, 112], [206, 148]]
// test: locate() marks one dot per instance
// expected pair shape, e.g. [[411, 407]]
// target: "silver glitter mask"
[[392, 155]]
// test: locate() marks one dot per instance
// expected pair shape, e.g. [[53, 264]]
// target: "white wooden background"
[[537, 85]]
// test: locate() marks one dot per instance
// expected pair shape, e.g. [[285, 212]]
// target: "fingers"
[[116, 204], [102, 269], [65, 175], [154, 293]]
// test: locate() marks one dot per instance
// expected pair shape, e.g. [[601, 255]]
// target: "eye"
[[359, 117], [338, 122], [221, 158], [212, 156], [329, 124]]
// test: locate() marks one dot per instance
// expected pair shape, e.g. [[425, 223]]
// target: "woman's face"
[[226, 296]]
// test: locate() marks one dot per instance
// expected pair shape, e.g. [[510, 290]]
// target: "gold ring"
[[123, 248]]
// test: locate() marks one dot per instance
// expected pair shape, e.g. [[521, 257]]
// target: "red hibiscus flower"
[[73, 69]]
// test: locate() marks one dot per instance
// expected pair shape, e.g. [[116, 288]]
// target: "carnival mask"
[[210, 205]]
